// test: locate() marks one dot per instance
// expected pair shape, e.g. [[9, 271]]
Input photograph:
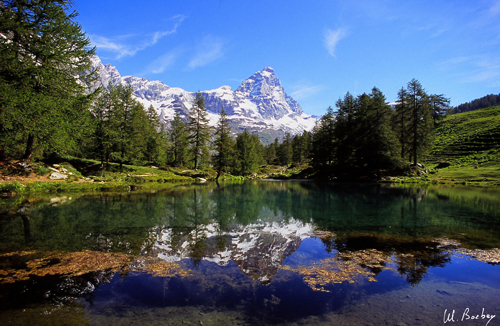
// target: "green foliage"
[[43, 104], [285, 150], [323, 141], [179, 144], [420, 120], [12, 187], [477, 104], [124, 131], [223, 144], [301, 147], [248, 151], [155, 138], [358, 139], [198, 132]]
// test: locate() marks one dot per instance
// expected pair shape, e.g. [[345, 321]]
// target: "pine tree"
[[270, 152], [223, 144], [178, 140], [198, 132], [440, 106], [101, 137], [421, 123], [155, 148], [285, 150], [301, 146], [323, 141], [247, 148], [378, 141], [346, 132], [44, 55], [127, 124], [401, 121]]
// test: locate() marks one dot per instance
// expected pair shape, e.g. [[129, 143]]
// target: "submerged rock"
[[58, 176]]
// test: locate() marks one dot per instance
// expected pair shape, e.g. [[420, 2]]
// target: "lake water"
[[253, 253]]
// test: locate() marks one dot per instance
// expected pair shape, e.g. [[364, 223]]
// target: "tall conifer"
[[223, 144], [198, 131], [44, 55]]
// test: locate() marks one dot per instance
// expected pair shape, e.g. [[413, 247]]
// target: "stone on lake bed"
[[58, 176]]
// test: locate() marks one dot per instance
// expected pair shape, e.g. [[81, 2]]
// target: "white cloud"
[[300, 92], [332, 38], [495, 8], [207, 51], [483, 68], [121, 48], [163, 62]]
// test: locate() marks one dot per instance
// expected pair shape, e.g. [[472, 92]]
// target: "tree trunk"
[[29, 148]]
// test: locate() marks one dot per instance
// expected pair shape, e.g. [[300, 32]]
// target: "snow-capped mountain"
[[260, 104], [258, 249]]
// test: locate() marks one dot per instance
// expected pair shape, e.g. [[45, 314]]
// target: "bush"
[[12, 187], [41, 169]]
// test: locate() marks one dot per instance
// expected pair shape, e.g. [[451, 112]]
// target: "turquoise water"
[[254, 253]]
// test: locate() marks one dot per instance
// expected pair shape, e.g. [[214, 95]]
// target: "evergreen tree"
[[378, 141], [223, 144], [270, 152], [44, 55], [421, 122], [285, 150], [346, 132], [127, 125], [401, 122], [247, 149], [323, 141], [101, 137], [301, 146], [198, 132], [156, 139], [178, 140], [440, 106]]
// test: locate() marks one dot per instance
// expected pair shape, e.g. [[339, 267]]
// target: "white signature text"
[[449, 316]]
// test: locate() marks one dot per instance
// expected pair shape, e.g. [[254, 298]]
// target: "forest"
[[477, 104], [50, 104]]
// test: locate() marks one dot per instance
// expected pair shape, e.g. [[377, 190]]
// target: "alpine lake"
[[253, 253]]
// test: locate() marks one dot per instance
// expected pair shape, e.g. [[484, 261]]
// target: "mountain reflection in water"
[[255, 252]]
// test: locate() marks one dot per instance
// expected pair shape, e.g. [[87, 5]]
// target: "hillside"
[[477, 104], [470, 142]]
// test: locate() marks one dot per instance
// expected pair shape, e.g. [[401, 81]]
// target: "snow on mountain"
[[259, 104], [258, 249]]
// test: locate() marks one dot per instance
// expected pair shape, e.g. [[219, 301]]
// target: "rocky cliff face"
[[260, 103]]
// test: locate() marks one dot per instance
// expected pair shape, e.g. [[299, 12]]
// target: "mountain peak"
[[259, 103], [268, 69]]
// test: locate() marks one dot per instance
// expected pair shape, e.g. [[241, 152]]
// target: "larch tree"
[[156, 139], [401, 121], [223, 145], [248, 153], [440, 106], [127, 125], [421, 123], [323, 141], [198, 131], [285, 150], [44, 60], [178, 140]]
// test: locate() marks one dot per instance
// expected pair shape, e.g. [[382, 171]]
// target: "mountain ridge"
[[260, 104]]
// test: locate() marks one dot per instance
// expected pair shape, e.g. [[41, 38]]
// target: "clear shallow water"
[[254, 253]]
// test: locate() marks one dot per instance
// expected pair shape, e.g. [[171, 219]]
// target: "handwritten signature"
[[467, 315]]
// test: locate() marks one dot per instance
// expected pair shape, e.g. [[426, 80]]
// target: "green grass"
[[470, 142]]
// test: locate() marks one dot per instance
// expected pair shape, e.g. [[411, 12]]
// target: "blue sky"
[[319, 49]]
